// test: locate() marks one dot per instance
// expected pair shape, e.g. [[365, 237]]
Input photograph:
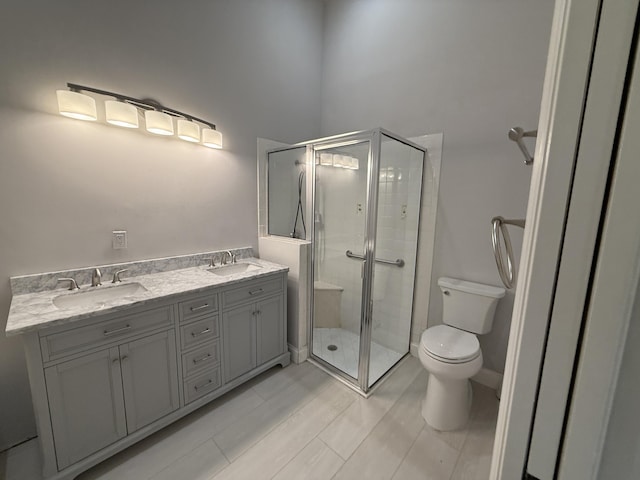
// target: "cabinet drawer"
[[201, 385], [251, 291], [83, 338], [199, 332], [198, 307], [206, 356]]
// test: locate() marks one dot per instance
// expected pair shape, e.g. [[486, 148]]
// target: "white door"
[[602, 434], [584, 99]]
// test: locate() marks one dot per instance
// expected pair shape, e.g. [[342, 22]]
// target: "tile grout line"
[[287, 417], [406, 453], [381, 418], [325, 387]]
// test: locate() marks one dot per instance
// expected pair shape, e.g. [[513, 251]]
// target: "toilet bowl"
[[451, 352], [448, 400]]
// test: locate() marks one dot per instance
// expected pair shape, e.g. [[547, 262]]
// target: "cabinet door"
[[150, 378], [239, 341], [270, 327], [86, 404]]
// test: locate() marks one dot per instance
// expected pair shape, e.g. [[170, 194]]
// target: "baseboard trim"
[[298, 355], [489, 378], [413, 349]]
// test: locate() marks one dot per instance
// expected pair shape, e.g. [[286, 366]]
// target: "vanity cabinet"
[[103, 383], [253, 326], [100, 397]]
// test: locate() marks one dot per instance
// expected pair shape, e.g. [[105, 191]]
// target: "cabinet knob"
[[124, 357]]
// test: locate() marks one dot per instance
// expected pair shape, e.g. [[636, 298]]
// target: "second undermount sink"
[[97, 296], [234, 268]]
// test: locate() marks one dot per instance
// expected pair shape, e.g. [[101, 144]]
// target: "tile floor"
[[299, 423], [345, 357]]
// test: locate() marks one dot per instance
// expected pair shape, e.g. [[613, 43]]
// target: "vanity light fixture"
[[124, 111], [121, 114], [188, 131], [72, 103], [158, 122], [211, 138]]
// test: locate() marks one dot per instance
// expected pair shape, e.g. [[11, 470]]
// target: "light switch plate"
[[119, 239]]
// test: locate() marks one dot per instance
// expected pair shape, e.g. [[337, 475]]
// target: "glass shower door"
[[339, 225], [396, 242]]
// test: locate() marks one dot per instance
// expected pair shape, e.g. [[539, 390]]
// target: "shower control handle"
[[446, 292]]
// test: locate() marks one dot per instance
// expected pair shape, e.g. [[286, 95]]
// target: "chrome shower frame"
[[374, 138]]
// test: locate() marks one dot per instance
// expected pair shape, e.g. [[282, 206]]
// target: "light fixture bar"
[[144, 104]]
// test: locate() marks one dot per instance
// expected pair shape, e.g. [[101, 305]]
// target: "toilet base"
[[447, 403]]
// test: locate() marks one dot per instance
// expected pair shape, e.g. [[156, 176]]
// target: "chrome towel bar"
[[506, 270], [398, 262]]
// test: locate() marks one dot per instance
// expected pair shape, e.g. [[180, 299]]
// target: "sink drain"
[[333, 348]]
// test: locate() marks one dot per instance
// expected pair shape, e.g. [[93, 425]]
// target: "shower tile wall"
[[340, 227], [397, 230], [343, 227]]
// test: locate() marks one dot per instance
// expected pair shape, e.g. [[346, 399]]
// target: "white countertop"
[[34, 311]]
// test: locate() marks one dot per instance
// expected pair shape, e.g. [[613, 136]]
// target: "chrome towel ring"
[[507, 270]]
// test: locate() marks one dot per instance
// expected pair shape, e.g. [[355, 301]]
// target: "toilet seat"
[[449, 344]]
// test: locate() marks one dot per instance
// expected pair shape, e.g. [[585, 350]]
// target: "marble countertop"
[[34, 311]]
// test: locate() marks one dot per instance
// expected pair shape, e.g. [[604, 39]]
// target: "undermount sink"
[[97, 296], [234, 268]]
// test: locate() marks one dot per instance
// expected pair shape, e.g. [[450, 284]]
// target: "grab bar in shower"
[[516, 134], [507, 271], [398, 262]]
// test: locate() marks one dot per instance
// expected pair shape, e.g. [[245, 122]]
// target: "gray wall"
[[251, 66], [471, 69]]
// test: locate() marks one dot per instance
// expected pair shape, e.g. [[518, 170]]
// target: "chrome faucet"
[[116, 275], [232, 257], [96, 276], [72, 283]]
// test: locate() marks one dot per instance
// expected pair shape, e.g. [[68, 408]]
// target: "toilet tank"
[[469, 306]]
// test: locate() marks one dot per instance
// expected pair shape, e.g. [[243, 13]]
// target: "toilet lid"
[[450, 344]]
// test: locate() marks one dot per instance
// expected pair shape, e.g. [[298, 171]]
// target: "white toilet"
[[451, 352]]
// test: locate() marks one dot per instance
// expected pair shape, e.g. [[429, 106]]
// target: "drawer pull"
[[117, 330], [203, 358], [197, 334], [195, 309], [255, 292], [202, 385]]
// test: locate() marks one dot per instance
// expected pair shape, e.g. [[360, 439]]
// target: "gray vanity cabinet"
[[149, 379], [239, 334], [270, 328], [98, 398], [86, 404], [103, 383], [253, 325]]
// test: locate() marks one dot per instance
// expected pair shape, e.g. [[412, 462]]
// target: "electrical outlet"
[[119, 239]]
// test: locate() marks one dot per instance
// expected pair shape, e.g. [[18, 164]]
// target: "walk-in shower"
[[360, 196]]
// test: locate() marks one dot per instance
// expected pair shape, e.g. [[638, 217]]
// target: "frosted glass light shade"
[[188, 131], [211, 138], [76, 105], [158, 123], [121, 114]]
